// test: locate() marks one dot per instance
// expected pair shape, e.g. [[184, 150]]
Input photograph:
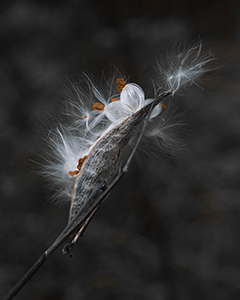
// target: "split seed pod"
[[105, 159]]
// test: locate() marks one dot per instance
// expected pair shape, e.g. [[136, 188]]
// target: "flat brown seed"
[[120, 84], [98, 106]]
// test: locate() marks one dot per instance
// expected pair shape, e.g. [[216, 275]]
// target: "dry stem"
[[85, 213]]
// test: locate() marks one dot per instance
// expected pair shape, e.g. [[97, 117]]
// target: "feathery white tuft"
[[167, 132], [92, 113], [183, 67]]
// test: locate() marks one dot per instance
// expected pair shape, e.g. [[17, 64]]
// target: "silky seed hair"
[[99, 116], [183, 65]]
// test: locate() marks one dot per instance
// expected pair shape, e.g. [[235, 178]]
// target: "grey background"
[[170, 228]]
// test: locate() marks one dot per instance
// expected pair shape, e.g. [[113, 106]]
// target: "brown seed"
[[80, 163], [120, 84], [73, 173], [163, 106], [98, 106]]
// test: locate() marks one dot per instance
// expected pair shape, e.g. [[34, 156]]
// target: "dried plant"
[[88, 155]]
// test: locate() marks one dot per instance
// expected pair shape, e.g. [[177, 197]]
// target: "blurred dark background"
[[170, 228]]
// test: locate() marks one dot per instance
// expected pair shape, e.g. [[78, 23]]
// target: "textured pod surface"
[[105, 159]]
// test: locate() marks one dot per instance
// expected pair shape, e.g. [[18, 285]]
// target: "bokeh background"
[[171, 228]]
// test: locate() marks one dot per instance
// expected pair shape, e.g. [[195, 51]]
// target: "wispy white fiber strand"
[[92, 115]]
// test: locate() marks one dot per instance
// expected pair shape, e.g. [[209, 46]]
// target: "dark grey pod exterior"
[[104, 161]]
